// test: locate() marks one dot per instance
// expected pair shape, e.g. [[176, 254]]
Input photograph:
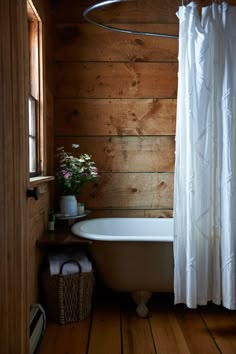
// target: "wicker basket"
[[68, 298]]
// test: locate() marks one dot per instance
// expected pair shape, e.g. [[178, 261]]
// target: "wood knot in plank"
[[139, 41], [134, 190]]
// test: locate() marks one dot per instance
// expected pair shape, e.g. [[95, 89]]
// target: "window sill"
[[34, 181]]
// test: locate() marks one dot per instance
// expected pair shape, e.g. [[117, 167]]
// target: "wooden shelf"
[[61, 238]]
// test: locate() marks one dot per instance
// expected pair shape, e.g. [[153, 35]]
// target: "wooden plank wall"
[[13, 160], [38, 209], [115, 95], [22, 220]]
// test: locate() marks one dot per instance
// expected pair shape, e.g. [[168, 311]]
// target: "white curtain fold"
[[205, 169]]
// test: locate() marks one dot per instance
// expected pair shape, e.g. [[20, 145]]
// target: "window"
[[35, 100], [33, 137]]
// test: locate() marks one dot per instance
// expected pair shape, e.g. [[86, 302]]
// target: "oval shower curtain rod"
[[109, 2]]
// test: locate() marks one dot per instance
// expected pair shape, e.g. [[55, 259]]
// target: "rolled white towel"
[[57, 259], [70, 267]]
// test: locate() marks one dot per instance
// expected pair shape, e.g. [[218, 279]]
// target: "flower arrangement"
[[73, 172]]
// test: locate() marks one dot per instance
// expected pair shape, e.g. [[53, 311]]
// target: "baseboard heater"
[[37, 326]]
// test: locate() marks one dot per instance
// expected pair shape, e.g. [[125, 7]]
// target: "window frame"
[[34, 136], [35, 50]]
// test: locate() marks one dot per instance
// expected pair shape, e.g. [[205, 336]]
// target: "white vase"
[[68, 205]]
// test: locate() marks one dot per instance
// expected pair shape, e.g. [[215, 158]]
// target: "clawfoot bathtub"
[[132, 255]]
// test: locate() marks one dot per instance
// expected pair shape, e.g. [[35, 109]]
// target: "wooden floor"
[[114, 328]]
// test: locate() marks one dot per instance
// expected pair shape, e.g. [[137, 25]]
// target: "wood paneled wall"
[[38, 209], [22, 220], [13, 161], [115, 95], [37, 223]]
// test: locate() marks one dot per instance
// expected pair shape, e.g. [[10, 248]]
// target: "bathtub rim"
[[111, 238]]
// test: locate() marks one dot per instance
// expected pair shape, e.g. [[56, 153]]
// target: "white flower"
[[73, 172]]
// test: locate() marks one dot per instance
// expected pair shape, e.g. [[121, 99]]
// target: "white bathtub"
[[132, 254]]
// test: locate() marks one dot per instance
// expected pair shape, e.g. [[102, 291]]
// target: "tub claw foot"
[[141, 298], [142, 310]]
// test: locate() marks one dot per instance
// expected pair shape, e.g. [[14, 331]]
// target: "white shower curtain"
[[205, 170]]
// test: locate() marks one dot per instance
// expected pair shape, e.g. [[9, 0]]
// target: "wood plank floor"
[[114, 328]]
